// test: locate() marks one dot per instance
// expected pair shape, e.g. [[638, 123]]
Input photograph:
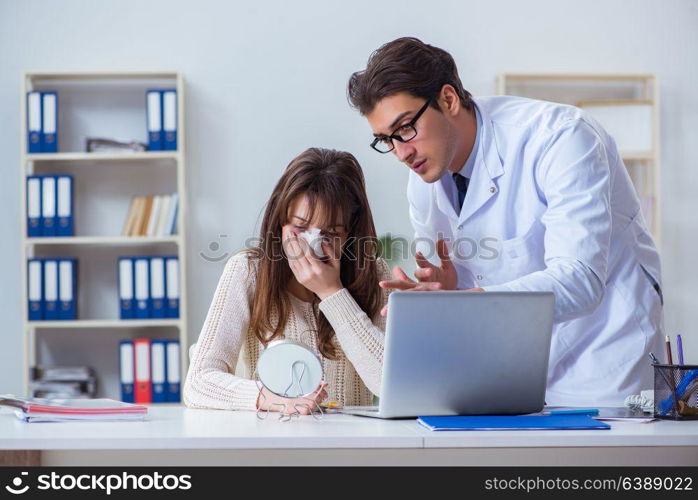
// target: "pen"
[[669, 361], [655, 361], [679, 348]]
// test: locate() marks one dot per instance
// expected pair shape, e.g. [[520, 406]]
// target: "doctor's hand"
[[403, 282], [445, 273]]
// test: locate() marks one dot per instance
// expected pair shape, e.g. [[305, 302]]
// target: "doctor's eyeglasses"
[[404, 133]]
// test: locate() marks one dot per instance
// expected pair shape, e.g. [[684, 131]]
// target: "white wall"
[[265, 81]]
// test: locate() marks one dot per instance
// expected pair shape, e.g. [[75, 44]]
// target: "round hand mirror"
[[289, 369]]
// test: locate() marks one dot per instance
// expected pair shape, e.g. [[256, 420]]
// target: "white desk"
[[180, 436]]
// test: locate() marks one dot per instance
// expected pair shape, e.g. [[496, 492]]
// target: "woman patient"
[[282, 289]]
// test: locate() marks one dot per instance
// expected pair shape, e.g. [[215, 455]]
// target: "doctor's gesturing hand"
[[429, 276]]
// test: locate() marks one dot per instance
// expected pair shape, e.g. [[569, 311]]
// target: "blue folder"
[[64, 205], [35, 289], [68, 288], [158, 370], [173, 375], [126, 370], [511, 423], [169, 120], [34, 120], [153, 106], [49, 122], [34, 221]]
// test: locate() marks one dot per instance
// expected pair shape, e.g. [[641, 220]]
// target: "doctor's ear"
[[448, 100]]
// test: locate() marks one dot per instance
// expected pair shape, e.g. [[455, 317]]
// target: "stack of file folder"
[[149, 371], [72, 410], [42, 122], [52, 289], [50, 205], [149, 287], [161, 110]]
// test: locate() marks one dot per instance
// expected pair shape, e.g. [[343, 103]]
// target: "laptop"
[[464, 353]]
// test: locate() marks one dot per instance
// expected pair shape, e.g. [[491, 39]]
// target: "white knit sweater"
[[226, 339]]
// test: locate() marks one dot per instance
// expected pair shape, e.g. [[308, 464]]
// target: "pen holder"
[[676, 392]]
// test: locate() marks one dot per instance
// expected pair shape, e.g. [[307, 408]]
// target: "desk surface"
[[176, 427]]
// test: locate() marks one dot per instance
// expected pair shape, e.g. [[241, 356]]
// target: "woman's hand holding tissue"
[[319, 275]]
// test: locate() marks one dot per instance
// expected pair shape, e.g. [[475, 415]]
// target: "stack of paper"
[[72, 410]]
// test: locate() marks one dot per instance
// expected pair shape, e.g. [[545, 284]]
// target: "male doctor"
[[526, 195]]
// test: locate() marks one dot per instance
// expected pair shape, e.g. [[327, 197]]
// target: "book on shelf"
[[153, 215], [143, 228]]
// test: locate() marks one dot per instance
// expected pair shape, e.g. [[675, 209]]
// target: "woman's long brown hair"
[[332, 180]]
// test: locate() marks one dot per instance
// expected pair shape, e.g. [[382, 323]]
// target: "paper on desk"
[[633, 420]]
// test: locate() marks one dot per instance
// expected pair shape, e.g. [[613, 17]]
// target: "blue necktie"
[[462, 185]]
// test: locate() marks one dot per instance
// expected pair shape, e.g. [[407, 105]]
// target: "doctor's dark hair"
[[405, 65], [332, 182]]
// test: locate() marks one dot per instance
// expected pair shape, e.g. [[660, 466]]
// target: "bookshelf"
[[102, 104], [607, 91]]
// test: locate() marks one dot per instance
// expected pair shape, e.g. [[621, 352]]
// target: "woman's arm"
[[361, 338], [211, 382]]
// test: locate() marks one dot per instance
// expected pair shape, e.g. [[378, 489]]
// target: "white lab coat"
[[550, 206]]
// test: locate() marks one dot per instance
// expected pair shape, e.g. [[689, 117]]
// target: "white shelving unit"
[[614, 89], [102, 104]]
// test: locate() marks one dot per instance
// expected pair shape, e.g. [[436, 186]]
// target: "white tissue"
[[312, 236]]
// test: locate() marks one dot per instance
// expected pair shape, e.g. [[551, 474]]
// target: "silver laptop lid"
[[464, 353]]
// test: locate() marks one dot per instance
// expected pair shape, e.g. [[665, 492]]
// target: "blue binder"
[[173, 373], [67, 295], [158, 371], [49, 122], [48, 205], [172, 286], [169, 119], [153, 106], [34, 122], [64, 205], [127, 305], [126, 370], [157, 288], [511, 422], [51, 287], [141, 288], [35, 289], [34, 228]]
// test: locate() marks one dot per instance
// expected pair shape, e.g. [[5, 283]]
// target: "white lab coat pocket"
[[519, 256]]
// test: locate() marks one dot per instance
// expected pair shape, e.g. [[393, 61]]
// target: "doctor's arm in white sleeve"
[[574, 177]]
